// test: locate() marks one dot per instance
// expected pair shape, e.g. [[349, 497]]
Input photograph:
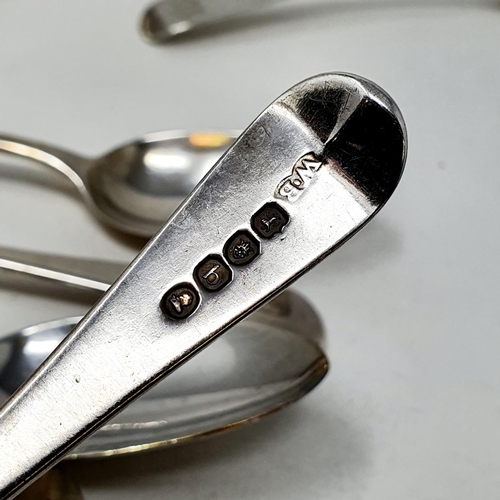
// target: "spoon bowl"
[[269, 360], [213, 392], [137, 186]]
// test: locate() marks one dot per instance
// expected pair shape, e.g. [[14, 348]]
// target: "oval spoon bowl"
[[216, 391], [137, 186]]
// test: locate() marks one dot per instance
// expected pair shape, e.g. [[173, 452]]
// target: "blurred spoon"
[[136, 187]]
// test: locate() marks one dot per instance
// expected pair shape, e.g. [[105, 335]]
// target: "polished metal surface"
[[267, 361], [136, 187], [125, 344], [167, 19]]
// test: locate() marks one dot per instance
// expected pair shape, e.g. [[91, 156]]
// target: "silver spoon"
[[136, 187], [55, 484], [309, 172], [167, 19], [275, 358]]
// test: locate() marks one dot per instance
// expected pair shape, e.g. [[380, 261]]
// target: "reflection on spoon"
[[272, 358], [136, 187]]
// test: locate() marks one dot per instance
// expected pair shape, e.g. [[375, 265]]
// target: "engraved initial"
[[291, 187]]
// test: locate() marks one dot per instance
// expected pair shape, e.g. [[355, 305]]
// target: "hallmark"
[[303, 172], [180, 301], [270, 220]]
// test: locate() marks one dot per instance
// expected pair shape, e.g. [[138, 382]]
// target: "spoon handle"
[[168, 18], [307, 174], [98, 275], [68, 164]]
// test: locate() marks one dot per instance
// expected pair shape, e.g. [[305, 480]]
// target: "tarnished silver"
[[125, 344], [270, 359], [136, 187]]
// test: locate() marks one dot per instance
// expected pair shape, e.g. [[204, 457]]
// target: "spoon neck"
[[90, 275], [70, 165]]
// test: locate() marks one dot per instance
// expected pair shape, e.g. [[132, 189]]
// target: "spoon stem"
[[66, 163], [86, 274]]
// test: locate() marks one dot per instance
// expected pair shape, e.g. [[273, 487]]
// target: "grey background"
[[411, 407]]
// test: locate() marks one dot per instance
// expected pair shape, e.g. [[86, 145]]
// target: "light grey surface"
[[411, 408]]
